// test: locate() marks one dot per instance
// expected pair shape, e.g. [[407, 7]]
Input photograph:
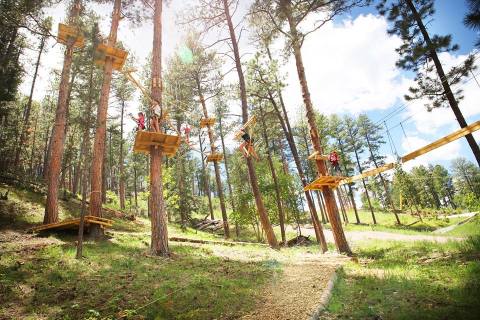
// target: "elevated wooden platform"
[[167, 143], [317, 156], [73, 224], [248, 124], [206, 122], [215, 157], [329, 181], [67, 33], [118, 55]]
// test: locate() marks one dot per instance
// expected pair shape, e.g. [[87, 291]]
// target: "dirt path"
[[356, 236], [297, 291]]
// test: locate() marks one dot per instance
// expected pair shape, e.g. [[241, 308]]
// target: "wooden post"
[[159, 239]]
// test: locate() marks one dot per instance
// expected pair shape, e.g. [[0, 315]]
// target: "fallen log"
[[224, 243]]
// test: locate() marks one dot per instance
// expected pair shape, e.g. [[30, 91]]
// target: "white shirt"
[[157, 110]]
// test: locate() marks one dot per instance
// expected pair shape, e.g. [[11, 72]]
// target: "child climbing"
[[247, 145], [140, 121], [156, 117], [186, 131], [334, 161]]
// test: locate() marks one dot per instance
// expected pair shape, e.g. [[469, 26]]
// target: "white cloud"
[[350, 67]]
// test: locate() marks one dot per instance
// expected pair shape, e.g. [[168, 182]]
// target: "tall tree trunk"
[[122, 174], [281, 212], [332, 210], [446, 86], [159, 242], [101, 127], [225, 162], [58, 134], [26, 119], [216, 166], [262, 212], [206, 180]]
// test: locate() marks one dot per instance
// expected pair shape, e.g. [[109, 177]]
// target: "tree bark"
[[332, 210], [216, 166], [159, 242], [58, 134], [446, 86], [262, 212], [101, 127]]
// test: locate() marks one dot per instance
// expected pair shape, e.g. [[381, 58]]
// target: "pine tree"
[[417, 52], [472, 19]]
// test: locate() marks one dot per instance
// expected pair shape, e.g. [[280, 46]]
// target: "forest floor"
[[41, 279]]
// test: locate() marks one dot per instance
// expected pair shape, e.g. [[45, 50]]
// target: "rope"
[[408, 142], [390, 140]]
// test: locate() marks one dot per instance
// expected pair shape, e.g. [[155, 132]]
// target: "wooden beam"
[[412, 155], [369, 173], [443, 141]]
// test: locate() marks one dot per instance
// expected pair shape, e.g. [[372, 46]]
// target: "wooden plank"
[[65, 32], [443, 141], [329, 181], [412, 155], [249, 123], [369, 173]]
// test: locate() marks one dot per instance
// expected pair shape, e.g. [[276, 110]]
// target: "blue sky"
[[448, 19]]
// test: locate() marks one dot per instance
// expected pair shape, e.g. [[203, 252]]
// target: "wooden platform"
[[66, 33], [249, 123], [118, 55], [329, 181], [73, 224], [317, 156], [206, 122], [167, 143], [214, 157]]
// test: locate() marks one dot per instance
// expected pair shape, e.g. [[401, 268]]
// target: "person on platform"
[[140, 121], [334, 161]]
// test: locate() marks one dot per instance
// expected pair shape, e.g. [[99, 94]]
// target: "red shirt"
[[333, 158], [141, 121], [187, 129]]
